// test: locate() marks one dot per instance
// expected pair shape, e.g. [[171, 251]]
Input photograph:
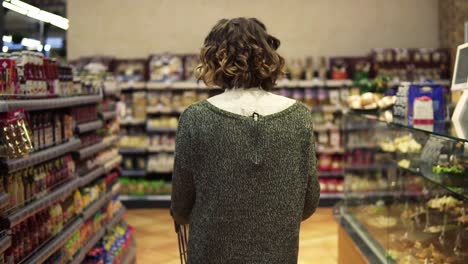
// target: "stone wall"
[[452, 16]]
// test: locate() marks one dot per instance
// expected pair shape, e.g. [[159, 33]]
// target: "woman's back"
[[244, 183]]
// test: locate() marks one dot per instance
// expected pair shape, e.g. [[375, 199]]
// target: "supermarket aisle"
[[157, 241]]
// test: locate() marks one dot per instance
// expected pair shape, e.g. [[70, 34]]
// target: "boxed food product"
[[166, 68]]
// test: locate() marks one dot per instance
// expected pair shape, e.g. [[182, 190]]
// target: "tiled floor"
[[157, 241]]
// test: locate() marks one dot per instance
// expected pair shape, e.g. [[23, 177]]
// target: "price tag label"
[[431, 151], [400, 110]]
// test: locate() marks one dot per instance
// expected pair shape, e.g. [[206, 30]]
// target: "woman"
[[244, 173]]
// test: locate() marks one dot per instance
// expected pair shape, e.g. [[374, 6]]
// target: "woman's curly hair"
[[239, 53]]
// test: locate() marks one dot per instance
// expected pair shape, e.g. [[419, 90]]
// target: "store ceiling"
[[19, 24]]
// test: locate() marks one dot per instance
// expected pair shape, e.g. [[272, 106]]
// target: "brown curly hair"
[[239, 53]]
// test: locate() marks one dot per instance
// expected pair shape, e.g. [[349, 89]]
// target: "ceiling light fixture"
[[36, 13], [7, 39]]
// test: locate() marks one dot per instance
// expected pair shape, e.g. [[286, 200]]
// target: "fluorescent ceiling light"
[[14, 8], [30, 43], [36, 13], [24, 5], [5, 49], [7, 39]]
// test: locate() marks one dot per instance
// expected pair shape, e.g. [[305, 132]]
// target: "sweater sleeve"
[[183, 186], [313, 188]]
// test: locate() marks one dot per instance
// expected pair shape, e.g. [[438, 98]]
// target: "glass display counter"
[[405, 194]]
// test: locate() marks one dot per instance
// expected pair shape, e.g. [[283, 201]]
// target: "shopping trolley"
[[182, 236]]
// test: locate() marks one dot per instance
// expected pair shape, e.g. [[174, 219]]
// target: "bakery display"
[[370, 101], [405, 191]]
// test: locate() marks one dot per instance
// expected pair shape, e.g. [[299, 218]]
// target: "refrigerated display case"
[[405, 194]]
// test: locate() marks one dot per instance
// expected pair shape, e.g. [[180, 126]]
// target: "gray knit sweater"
[[244, 183]]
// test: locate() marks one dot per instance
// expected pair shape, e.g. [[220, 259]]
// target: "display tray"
[[446, 133], [130, 256], [4, 200], [90, 151], [81, 254]]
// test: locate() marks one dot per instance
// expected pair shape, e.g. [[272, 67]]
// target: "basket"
[[182, 237]]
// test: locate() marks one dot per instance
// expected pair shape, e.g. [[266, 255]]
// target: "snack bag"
[[15, 134]]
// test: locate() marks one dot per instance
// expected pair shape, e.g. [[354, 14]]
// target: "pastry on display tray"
[[382, 221], [370, 101], [463, 219], [443, 203], [403, 144]]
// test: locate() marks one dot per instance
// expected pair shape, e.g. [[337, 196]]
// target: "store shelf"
[[327, 108], [330, 174], [5, 243], [133, 173], [112, 164], [4, 200], [182, 85], [133, 122], [90, 151], [363, 194], [130, 256], [42, 253], [323, 150], [110, 140], [152, 111], [145, 198], [9, 166], [285, 83], [427, 173], [161, 129], [108, 115], [362, 146], [132, 151], [91, 176], [131, 85], [369, 167], [147, 201], [34, 207], [81, 255], [331, 195], [115, 219], [96, 206], [90, 126], [111, 92], [51, 103], [159, 171], [330, 199], [338, 83], [397, 83], [325, 127], [155, 150]]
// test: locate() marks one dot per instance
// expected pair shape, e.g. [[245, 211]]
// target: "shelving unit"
[[33, 209], [50, 103], [42, 253], [12, 165], [146, 201], [133, 124]]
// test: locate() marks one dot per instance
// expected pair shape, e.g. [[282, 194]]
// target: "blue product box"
[[436, 93]]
